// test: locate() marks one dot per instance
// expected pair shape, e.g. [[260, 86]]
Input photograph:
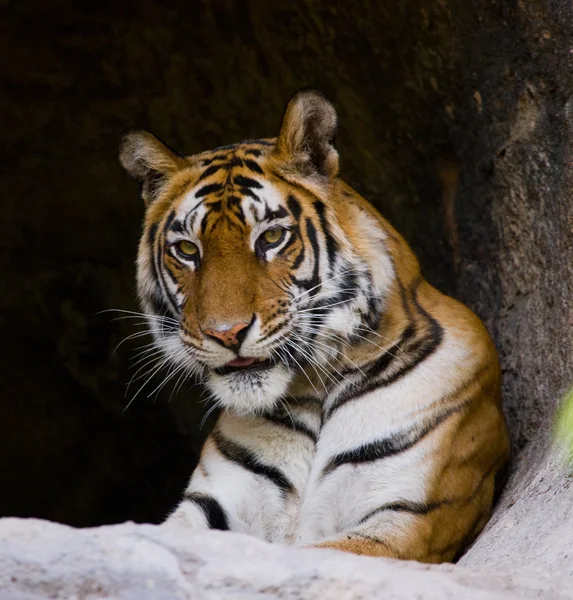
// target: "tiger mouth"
[[244, 364]]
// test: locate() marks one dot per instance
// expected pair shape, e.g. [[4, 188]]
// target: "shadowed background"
[[427, 91]]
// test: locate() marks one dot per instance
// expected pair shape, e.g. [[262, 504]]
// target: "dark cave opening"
[[428, 94]]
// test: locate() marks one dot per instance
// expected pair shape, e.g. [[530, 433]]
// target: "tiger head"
[[256, 262]]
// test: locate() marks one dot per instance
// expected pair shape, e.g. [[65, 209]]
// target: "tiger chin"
[[363, 407]]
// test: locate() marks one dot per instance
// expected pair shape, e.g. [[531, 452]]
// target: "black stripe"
[[208, 189], [204, 223], [169, 220], [246, 182], [234, 204], [374, 314], [275, 214], [253, 166], [207, 161], [192, 211], [313, 239], [249, 192], [275, 329], [247, 459], [349, 291], [215, 206], [214, 513], [151, 235], [294, 207], [208, 172], [159, 307], [158, 264], [409, 350], [375, 540], [405, 506], [291, 240], [298, 260], [391, 446], [165, 304], [234, 162], [177, 226], [292, 424], [253, 152], [331, 245], [406, 343], [172, 273]]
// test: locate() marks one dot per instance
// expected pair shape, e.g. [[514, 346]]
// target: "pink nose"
[[229, 337]]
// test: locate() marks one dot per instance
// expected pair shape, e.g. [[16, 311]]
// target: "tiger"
[[360, 408]]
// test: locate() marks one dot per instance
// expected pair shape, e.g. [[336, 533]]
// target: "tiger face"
[[245, 270]]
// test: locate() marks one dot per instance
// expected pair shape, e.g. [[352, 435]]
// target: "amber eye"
[[273, 236], [186, 249]]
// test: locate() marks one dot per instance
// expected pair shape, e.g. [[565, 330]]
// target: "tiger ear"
[[149, 161], [306, 138]]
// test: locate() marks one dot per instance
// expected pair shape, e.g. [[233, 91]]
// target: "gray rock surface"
[[39, 559]]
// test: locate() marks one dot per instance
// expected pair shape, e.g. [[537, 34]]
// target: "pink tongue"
[[242, 362]]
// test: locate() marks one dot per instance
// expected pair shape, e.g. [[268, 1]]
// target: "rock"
[[39, 559]]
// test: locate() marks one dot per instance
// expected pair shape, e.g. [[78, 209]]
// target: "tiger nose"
[[233, 336]]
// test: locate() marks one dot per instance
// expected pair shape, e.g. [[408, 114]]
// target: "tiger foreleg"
[[206, 502]]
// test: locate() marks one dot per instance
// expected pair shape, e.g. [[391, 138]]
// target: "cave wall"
[[515, 210], [423, 87]]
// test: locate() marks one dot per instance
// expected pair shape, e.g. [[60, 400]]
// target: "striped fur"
[[375, 426]]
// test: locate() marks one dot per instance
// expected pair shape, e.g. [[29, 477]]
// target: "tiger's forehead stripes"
[[235, 186]]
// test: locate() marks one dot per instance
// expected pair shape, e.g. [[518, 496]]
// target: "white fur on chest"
[[316, 503]]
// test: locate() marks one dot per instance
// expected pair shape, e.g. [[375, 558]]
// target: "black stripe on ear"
[[246, 459], [214, 513]]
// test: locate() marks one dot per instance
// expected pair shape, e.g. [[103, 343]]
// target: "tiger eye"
[[272, 236], [186, 248]]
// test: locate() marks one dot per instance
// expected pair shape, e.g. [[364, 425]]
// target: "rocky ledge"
[[40, 559]]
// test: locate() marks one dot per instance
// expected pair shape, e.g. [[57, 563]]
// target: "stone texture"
[[139, 562]]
